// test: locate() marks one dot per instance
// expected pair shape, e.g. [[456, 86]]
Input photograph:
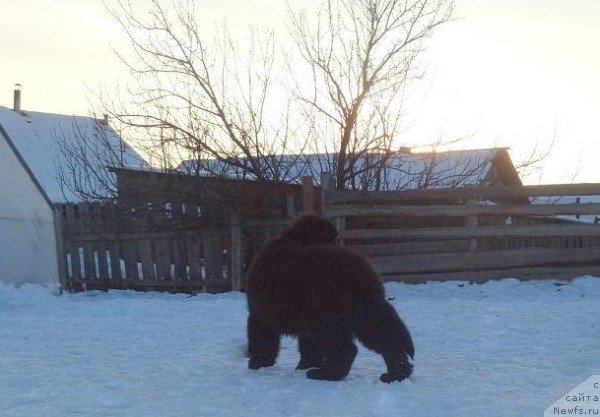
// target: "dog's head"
[[310, 229]]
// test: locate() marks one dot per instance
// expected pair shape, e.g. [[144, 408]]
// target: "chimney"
[[17, 98], [105, 120], [404, 149]]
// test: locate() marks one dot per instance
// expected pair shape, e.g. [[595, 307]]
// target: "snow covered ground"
[[504, 348]]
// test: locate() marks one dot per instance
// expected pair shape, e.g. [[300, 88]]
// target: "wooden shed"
[[210, 200]]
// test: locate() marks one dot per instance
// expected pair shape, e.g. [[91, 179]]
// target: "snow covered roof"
[[403, 170], [38, 137], [439, 170], [585, 199]]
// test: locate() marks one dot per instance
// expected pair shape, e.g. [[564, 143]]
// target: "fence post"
[[236, 253], [290, 206], [61, 253], [308, 199], [472, 221], [327, 185]]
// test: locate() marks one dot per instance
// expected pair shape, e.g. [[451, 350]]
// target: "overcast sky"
[[509, 73]]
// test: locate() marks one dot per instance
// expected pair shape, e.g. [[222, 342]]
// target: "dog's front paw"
[[257, 363]]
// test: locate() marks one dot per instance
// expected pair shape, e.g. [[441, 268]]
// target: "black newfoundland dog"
[[303, 284]]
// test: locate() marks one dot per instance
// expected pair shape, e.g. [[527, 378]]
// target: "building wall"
[[27, 237], [217, 198]]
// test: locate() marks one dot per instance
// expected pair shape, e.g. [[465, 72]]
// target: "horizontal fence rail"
[[480, 231], [465, 210], [523, 273], [463, 193], [452, 262]]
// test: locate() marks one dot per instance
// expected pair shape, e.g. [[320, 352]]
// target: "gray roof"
[[403, 170]]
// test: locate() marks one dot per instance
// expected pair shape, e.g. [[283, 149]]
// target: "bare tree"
[[531, 163], [360, 55], [201, 99], [89, 147]]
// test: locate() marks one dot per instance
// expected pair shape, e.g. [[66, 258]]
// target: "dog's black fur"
[[303, 284]]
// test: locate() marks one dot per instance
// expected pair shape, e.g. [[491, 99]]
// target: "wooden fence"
[[102, 246], [472, 233], [469, 233]]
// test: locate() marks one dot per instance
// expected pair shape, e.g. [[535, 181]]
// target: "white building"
[[30, 185]]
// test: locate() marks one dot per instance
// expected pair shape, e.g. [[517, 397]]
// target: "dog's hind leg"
[[334, 339], [310, 355], [380, 328], [263, 344]]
